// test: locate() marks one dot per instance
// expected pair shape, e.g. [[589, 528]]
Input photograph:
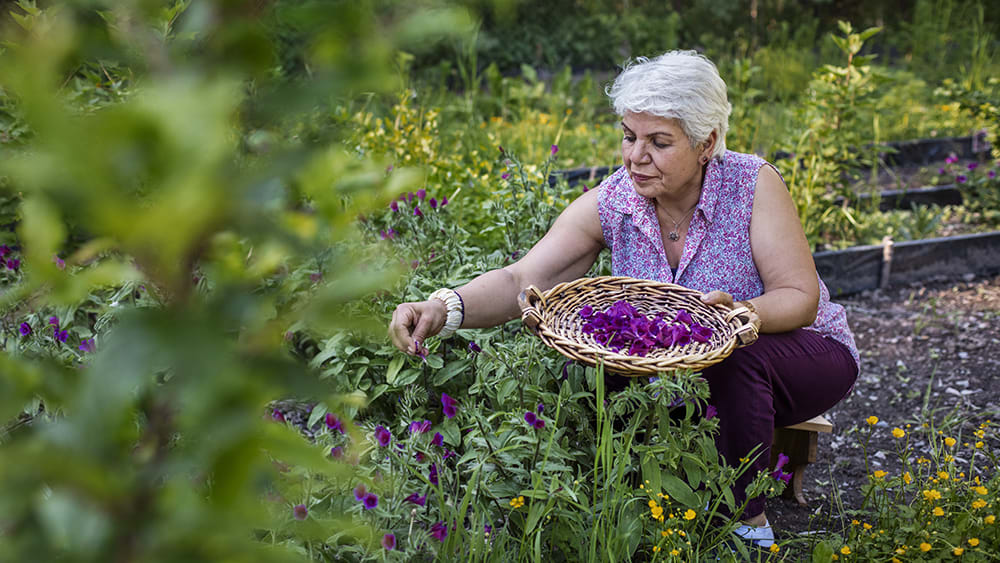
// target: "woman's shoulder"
[[743, 161]]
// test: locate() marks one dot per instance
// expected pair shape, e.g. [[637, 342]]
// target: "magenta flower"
[[940, 171], [961, 179], [300, 512], [505, 175], [417, 211], [448, 454], [778, 473], [991, 174], [25, 329], [421, 194], [450, 406], [683, 317], [394, 205], [554, 149], [334, 423], [277, 416], [409, 197], [474, 348], [315, 277], [419, 456], [444, 201], [432, 476], [416, 499], [337, 452], [952, 158], [60, 263], [4, 250], [530, 417], [972, 165], [54, 321], [434, 203], [382, 436], [360, 491], [87, 345], [13, 264], [420, 427], [438, 439], [389, 542], [585, 188], [538, 424], [370, 501], [439, 530]]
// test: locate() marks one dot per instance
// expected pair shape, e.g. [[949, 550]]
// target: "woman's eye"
[[660, 145], [630, 139]]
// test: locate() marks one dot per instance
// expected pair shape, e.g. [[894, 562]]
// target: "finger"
[[403, 319], [425, 327], [718, 298]]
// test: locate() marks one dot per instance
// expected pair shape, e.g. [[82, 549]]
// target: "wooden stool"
[[798, 442]]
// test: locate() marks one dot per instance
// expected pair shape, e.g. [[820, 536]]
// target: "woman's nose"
[[639, 152]]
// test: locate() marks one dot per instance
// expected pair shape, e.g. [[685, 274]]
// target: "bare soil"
[[932, 348]]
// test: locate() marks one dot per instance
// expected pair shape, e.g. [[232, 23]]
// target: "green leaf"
[[451, 370], [681, 492], [434, 361], [822, 553], [394, 366], [693, 470]]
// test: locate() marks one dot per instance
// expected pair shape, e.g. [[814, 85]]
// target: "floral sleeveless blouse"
[[716, 252]]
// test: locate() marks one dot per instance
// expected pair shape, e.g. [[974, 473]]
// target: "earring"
[[703, 160]]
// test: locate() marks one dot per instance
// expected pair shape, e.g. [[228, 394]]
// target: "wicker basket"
[[555, 317]]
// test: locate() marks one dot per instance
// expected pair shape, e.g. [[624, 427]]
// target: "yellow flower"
[[845, 550], [656, 549], [947, 459], [958, 551], [978, 503], [879, 474], [938, 511], [990, 519], [950, 442], [931, 495], [652, 504], [907, 478], [979, 444], [517, 502], [664, 533], [675, 552], [943, 475], [898, 433], [973, 542], [689, 515], [774, 548], [867, 526], [872, 420], [925, 547], [981, 490], [855, 522], [656, 511]]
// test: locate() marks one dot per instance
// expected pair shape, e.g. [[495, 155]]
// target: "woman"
[[683, 209]]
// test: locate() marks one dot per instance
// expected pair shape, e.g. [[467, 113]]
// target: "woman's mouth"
[[641, 177]]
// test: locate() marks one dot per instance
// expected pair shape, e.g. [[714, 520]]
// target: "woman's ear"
[[708, 146]]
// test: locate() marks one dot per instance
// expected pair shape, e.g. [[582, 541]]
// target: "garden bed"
[[941, 337]]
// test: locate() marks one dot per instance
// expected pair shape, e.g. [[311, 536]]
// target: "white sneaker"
[[761, 536]]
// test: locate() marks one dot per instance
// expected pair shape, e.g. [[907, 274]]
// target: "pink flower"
[[389, 542], [554, 149], [300, 512]]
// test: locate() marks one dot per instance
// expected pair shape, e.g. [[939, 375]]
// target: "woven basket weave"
[[555, 317]]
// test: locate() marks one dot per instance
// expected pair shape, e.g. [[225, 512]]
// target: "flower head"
[[417, 211], [394, 205], [438, 439], [950, 442], [432, 475], [898, 433], [972, 165], [87, 345], [299, 511], [60, 263], [277, 416], [389, 542], [439, 530], [60, 335], [370, 501], [711, 412], [360, 491], [421, 194], [416, 499], [689, 514], [530, 417], [872, 420], [25, 329], [54, 321], [554, 149], [474, 348], [517, 502], [434, 203], [334, 423], [337, 452], [420, 427], [13, 264], [449, 405], [382, 436], [961, 178]]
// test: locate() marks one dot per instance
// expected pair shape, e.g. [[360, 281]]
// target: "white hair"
[[681, 85]]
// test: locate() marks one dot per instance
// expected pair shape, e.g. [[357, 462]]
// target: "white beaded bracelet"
[[456, 310]]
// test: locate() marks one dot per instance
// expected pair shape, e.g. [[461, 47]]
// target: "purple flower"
[[439, 531], [585, 188], [13, 264], [389, 542], [420, 427], [54, 321], [952, 158], [417, 211], [4, 250], [434, 203], [438, 439], [382, 436], [416, 499], [421, 193], [683, 317], [474, 348], [778, 473], [587, 311], [541, 408], [394, 205], [961, 179], [87, 345], [700, 333], [450, 406], [419, 456], [300, 512], [334, 423], [448, 454], [432, 476], [360, 491], [409, 197], [710, 412], [530, 417], [444, 201], [972, 165], [60, 335], [60, 263], [555, 149], [538, 424], [277, 416], [991, 174], [370, 501], [940, 171], [25, 329], [337, 452], [505, 175]]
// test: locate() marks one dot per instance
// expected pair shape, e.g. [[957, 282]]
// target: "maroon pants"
[[780, 380]]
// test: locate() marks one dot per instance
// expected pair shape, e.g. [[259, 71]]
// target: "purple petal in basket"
[[700, 333], [587, 312], [683, 317]]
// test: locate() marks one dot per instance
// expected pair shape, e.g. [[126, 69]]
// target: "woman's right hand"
[[412, 323]]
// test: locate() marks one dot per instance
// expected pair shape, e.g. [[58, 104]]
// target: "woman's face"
[[659, 157]]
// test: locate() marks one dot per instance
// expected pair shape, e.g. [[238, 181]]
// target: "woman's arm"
[[784, 262], [565, 253]]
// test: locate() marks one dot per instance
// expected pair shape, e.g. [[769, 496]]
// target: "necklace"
[[673, 234]]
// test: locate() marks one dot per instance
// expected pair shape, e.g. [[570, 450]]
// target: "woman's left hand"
[[717, 298]]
